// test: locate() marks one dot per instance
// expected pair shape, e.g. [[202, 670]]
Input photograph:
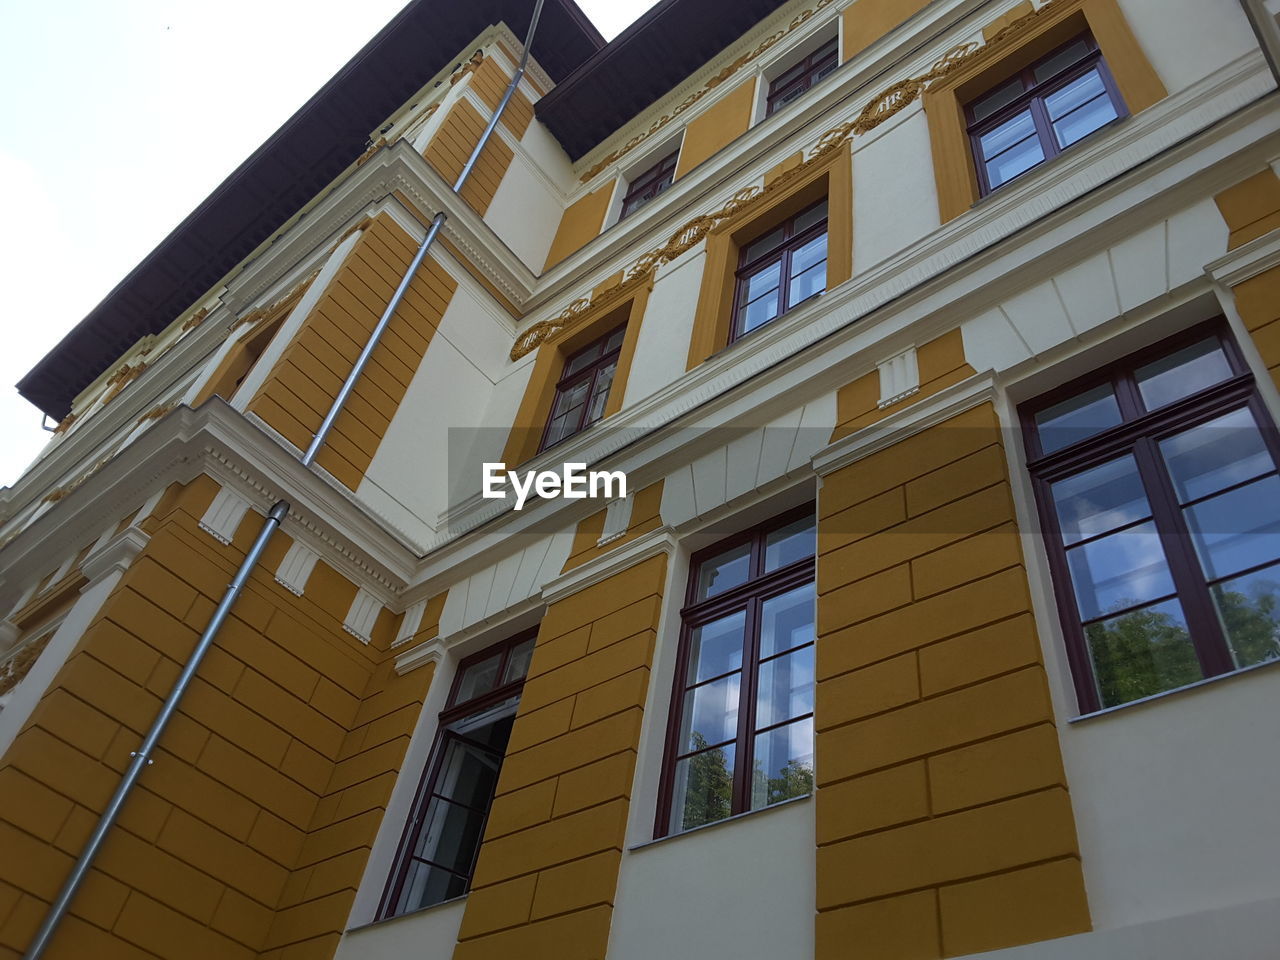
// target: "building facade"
[[939, 346]]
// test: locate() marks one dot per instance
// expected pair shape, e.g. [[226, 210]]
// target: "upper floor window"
[[792, 83], [1159, 494], [741, 728], [780, 269], [1035, 115], [649, 184], [442, 837], [583, 388]]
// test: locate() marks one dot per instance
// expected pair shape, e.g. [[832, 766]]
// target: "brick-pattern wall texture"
[[547, 872], [248, 836], [944, 825], [300, 388], [449, 149]]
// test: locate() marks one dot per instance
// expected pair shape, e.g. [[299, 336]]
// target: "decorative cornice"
[[1246, 261], [429, 651], [114, 556], [605, 565]]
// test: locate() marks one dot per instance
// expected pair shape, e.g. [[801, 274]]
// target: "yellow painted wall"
[[490, 82], [302, 385], [1252, 209], [944, 824], [580, 224], [646, 515], [940, 362], [545, 880], [249, 834], [726, 120], [866, 21]]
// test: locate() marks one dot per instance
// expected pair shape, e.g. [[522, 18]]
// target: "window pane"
[[1183, 373], [809, 255], [478, 678], [425, 885], [1142, 652], [467, 774], [757, 314], [1007, 134], [759, 248], [1249, 609], [1120, 570], [615, 340], [1214, 455], [716, 647], [1060, 61], [1100, 499], [783, 764], [786, 621], [1237, 530], [761, 284], [723, 571], [1073, 420], [571, 398], [600, 392], [815, 214], [1084, 120], [785, 688], [581, 360], [788, 544], [518, 661], [1001, 96], [710, 713], [703, 788], [449, 835], [1074, 94], [808, 284], [1015, 160]]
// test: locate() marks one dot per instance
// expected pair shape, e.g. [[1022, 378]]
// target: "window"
[[1159, 496], [583, 388], [741, 729], [780, 269], [795, 81], [649, 184], [442, 838], [1034, 116]]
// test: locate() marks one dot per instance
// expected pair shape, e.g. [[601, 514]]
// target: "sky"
[[118, 118]]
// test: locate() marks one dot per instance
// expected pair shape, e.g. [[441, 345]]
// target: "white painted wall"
[[1191, 41], [895, 197], [409, 477], [663, 346], [525, 212], [428, 933], [740, 890]]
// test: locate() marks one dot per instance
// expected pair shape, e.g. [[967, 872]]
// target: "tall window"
[[1158, 491], [780, 269], [442, 838], [794, 82], [649, 184], [741, 729], [1037, 114], [583, 388]]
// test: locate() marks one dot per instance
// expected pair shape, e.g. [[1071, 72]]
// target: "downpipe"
[[142, 756]]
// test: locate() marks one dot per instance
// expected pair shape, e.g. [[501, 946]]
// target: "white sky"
[[118, 118]]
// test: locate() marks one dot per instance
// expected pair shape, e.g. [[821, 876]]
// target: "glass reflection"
[[1076, 419], [1101, 499], [703, 788], [1182, 373], [1216, 455], [783, 764], [1237, 530], [1119, 570], [1249, 610], [716, 647], [1142, 652], [786, 621]]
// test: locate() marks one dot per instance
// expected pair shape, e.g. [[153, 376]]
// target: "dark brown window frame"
[[649, 185], [1033, 97], [1138, 434], [758, 588], [786, 248], [808, 71], [452, 713], [591, 372]]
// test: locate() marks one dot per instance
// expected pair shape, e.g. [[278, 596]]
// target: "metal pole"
[[142, 756], [437, 222]]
